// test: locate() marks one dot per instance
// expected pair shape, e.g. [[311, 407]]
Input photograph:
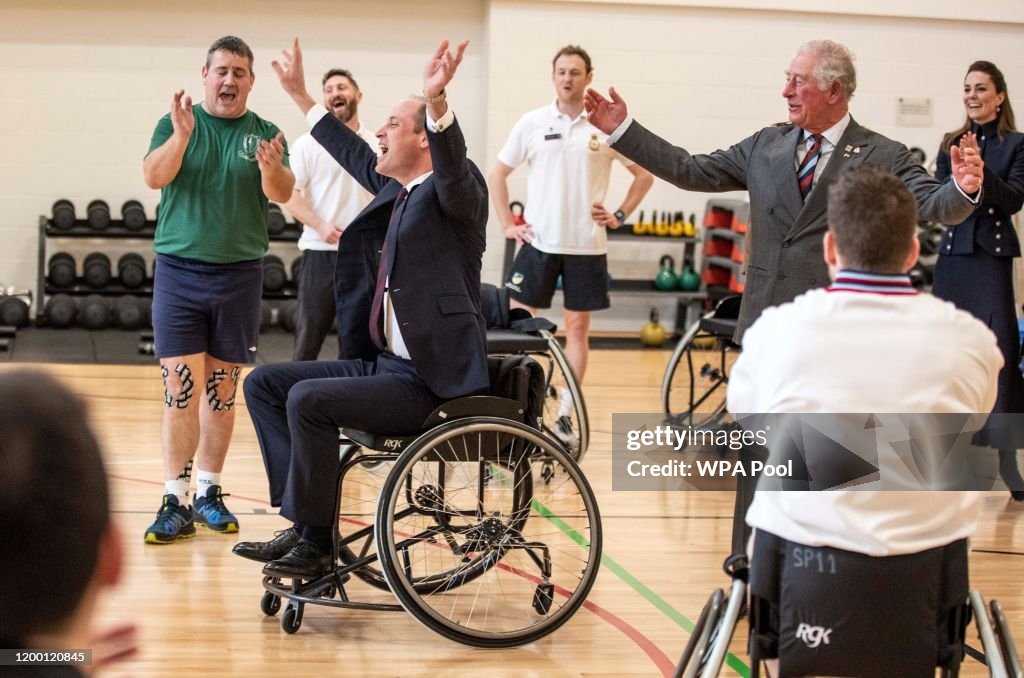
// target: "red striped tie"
[[383, 270], [805, 173]]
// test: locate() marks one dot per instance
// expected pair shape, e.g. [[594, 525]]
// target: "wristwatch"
[[620, 215]]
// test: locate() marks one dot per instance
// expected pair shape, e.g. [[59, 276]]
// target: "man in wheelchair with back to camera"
[[886, 602], [412, 325]]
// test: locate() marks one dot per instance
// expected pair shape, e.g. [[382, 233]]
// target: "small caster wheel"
[[291, 620], [270, 603], [547, 472], [543, 597]]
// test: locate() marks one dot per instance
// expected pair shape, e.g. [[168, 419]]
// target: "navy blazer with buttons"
[[989, 228], [435, 276]]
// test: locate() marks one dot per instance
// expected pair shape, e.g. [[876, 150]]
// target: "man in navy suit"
[[410, 322]]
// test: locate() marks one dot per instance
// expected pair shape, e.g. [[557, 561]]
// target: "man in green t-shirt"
[[216, 166]]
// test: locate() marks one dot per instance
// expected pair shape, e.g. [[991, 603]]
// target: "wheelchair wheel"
[[475, 545], [565, 413], [697, 377]]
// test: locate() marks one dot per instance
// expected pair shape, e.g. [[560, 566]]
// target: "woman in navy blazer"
[[975, 265]]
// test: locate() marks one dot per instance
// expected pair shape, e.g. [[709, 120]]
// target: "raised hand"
[[967, 166], [441, 68], [604, 114], [292, 77], [270, 153], [183, 120]]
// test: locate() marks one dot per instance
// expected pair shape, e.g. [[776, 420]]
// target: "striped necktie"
[[805, 172]]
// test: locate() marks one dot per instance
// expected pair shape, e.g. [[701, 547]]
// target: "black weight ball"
[[60, 311], [61, 270]]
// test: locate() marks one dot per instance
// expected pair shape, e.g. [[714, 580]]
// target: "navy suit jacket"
[[435, 275], [989, 227]]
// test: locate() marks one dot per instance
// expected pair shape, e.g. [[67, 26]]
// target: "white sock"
[[565, 404], [204, 481], [179, 488]]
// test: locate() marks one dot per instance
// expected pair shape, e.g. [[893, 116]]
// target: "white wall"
[[83, 83]]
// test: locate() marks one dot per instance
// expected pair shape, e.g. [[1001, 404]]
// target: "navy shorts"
[[200, 307], [535, 274]]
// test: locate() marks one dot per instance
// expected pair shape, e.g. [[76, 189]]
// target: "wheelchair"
[[696, 378], [515, 332], [708, 646], [458, 522]]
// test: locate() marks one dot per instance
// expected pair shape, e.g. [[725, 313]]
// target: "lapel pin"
[[857, 150], [848, 149], [846, 155]]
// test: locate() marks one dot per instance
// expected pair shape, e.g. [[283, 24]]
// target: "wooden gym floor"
[[197, 605]]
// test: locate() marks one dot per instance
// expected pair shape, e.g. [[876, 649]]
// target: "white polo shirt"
[[569, 163], [866, 344], [331, 191]]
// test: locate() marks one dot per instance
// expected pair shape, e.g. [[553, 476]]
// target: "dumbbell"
[[97, 269], [275, 219], [286, 315], [98, 215], [63, 214], [60, 311], [133, 214], [273, 273], [13, 311], [94, 312], [296, 269], [266, 316], [129, 312], [131, 270], [61, 270]]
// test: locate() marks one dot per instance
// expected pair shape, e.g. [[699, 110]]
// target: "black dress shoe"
[[265, 551], [306, 560]]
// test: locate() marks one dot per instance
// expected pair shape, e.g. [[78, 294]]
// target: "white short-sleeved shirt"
[[570, 163], [331, 191], [855, 347]]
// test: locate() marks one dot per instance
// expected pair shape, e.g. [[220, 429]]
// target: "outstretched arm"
[[460, 187]]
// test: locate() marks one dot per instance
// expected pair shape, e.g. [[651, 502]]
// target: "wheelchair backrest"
[[494, 305], [519, 378]]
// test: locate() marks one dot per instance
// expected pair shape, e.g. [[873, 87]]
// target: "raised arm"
[[344, 145], [163, 163], [460, 186]]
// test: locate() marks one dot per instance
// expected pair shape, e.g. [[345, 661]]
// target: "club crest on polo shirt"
[[594, 144], [515, 281], [250, 144]]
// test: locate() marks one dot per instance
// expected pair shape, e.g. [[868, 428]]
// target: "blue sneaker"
[[173, 522], [211, 513]]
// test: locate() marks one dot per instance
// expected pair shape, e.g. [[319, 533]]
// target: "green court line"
[[734, 662]]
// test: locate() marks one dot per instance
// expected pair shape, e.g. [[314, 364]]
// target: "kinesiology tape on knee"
[[186, 473], [218, 376], [185, 375]]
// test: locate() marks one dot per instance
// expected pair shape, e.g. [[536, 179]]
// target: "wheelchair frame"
[[418, 522], [706, 650]]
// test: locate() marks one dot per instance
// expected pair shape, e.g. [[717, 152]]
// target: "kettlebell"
[[639, 227], [690, 227], [653, 334], [678, 225], [662, 227], [517, 210], [666, 278], [689, 280]]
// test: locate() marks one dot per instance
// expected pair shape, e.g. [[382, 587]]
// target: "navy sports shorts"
[[534, 275], [200, 307]]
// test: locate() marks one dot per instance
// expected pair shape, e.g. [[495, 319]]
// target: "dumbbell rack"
[[117, 230], [722, 266]]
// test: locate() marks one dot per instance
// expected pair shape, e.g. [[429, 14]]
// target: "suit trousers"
[[315, 311], [297, 409]]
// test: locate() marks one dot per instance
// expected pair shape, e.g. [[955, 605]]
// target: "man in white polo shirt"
[[326, 199], [565, 234]]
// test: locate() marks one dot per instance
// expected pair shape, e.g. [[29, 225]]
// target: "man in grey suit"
[[787, 170]]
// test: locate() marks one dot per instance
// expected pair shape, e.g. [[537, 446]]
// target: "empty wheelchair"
[[459, 523], [945, 634], [513, 331], [697, 375]]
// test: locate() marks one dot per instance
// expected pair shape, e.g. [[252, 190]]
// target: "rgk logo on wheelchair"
[[813, 636]]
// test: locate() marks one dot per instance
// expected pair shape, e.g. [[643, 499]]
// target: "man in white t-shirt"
[[868, 343], [569, 163], [326, 199]]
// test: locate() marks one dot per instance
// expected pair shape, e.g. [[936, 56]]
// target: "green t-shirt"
[[215, 210]]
